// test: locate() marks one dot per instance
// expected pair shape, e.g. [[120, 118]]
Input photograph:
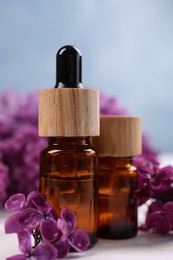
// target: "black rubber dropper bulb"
[[68, 68]]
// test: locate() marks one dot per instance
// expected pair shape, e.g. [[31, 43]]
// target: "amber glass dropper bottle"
[[119, 141], [69, 115]]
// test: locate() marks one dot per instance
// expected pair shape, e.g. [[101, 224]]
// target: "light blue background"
[[127, 49]]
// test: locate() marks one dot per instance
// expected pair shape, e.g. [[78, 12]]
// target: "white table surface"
[[145, 246]]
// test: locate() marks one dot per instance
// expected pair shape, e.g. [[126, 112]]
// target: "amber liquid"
[[117, 205], [68, 174]]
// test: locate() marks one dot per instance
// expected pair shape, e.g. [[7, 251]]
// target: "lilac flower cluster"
[[53, 236], [110, 106], [155, 184], [19, 144]]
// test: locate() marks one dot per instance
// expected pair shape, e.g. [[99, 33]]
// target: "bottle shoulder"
[[57, 150]]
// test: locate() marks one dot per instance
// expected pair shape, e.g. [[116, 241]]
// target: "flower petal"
[[35, 199], [62, 226], [79, 240], [168, 207], [31, 195], [163, 226], [15, 202], [44, 251], [16, 257], [49, 230], [30, 218], [153, 218], [24, 238], [165, 173], [52, 213], [12, 224], [69, 218], [155, 206], [63, 248]]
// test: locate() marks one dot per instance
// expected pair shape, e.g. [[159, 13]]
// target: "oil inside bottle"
[[69, 179], [117, 205]]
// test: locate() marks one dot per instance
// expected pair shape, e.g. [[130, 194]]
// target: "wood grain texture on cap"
[[68, 112], [119, 136]]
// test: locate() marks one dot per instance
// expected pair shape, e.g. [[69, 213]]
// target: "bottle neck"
[[70, 142]]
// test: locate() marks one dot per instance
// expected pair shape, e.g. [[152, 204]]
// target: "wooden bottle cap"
[[120, 136], [68, 112]]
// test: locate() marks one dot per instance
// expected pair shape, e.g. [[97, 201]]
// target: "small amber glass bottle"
[[69, 115], [119, 141], [68, 169]]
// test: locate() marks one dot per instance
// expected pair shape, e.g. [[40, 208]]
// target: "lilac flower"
[[4, 182], [160, 217], [162, 184], [146, 164], [20, 144], [143, 192], [33, 212], [156, 183], [12, 224], [77, 239], [110, 106], [36, 214], [33, 215], [41, 217], [44, 251], [16, 202]]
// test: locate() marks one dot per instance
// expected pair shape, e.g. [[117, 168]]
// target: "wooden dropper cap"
[[120, 136], [68, 109]]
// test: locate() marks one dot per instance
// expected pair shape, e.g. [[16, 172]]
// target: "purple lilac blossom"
[[110, 106], [4, 181], [162, 184], [78, 239], [32, 211], [53, 236], [160, 217], [20, 144], [44, 251], [156, 184]]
